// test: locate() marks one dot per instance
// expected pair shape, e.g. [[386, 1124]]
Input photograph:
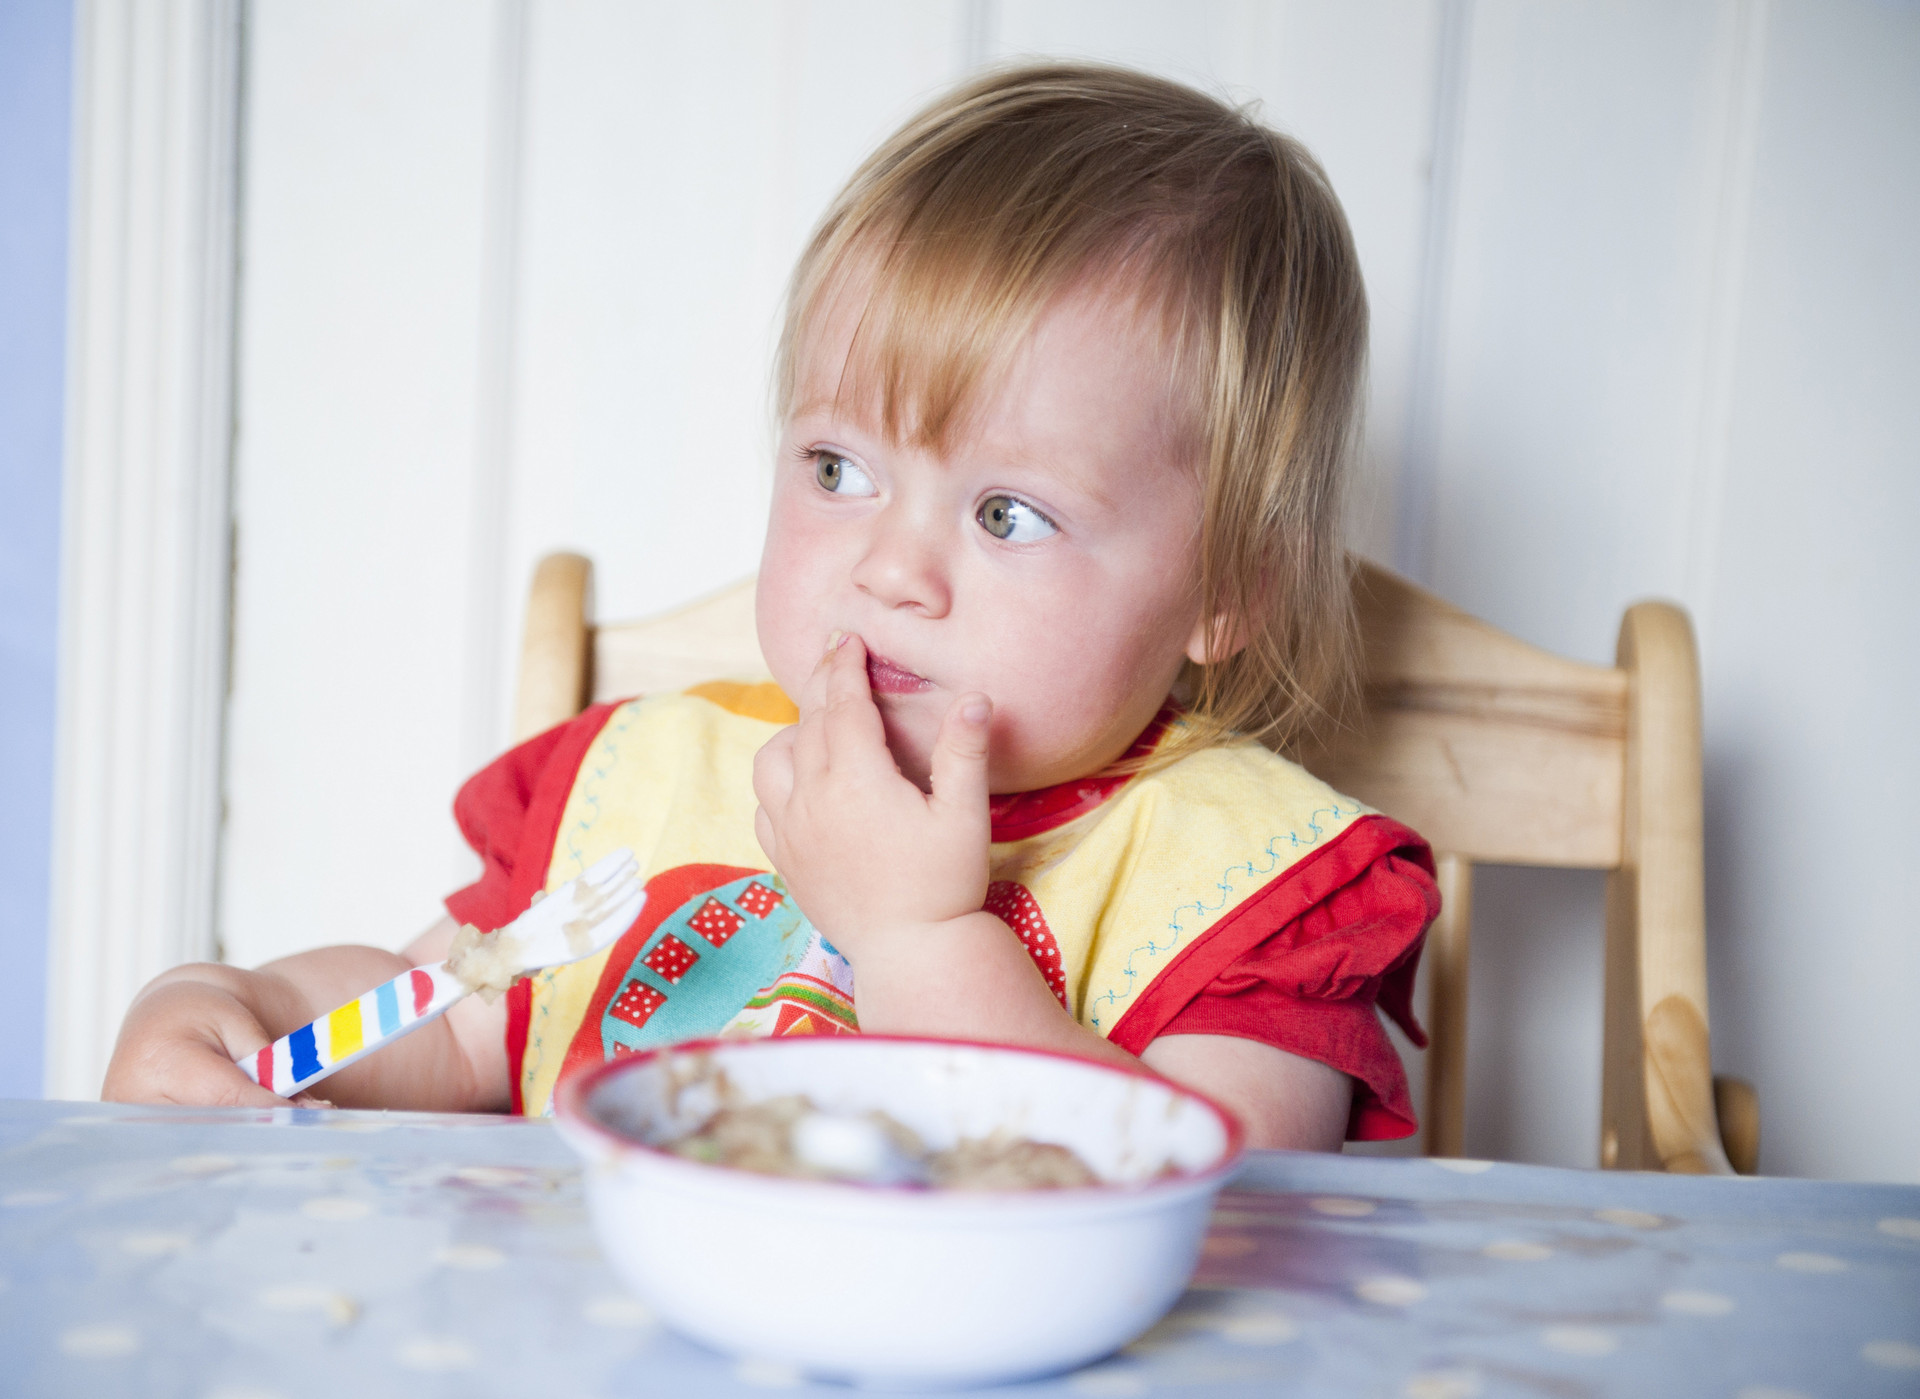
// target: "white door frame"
[[145, 558]]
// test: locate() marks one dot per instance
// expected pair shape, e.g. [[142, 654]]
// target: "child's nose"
[[905, 565]]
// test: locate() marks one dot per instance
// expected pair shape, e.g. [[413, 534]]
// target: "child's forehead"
[[869, 361]]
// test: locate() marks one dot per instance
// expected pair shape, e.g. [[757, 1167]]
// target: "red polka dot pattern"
[[671, 959], [716, 923], [1020, 911], [759, 900], [635, 1003]]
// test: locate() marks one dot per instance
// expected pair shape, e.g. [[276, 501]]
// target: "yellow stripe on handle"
[[343, 1031]]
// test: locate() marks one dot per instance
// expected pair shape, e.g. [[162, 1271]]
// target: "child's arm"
[[185, 1029], [895, 878]]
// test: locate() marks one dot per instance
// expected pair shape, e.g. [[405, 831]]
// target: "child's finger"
[[809, 736], [852, 730], [773, 771], [763, 832], [959, 759]]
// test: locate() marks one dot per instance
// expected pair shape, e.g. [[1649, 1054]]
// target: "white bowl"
[[893, 1286]]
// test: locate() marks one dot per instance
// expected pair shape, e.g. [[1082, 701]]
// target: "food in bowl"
[[902, 1286], [791, 1136]]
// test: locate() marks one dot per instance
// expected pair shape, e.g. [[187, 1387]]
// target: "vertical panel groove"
[[1734, 151], [1413, 515], [494, 385]]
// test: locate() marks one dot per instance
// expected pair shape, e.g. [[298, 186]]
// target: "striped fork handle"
[[293, 1062]]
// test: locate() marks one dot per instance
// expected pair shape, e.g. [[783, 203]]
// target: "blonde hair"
[[1033, 181]]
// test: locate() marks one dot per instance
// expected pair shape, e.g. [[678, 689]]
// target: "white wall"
[[1644, 308]]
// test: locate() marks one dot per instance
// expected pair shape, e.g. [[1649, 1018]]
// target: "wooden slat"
[[710, 639], [553, 649], [1492, 749], [1658, 905], [1448, 943]]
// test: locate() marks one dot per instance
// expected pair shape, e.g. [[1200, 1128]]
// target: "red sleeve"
[[509, 812], [1303, 964]]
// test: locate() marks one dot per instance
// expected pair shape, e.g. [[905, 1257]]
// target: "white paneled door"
[[1644, 322]]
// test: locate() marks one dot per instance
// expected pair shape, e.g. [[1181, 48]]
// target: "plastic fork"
[[578, 919]]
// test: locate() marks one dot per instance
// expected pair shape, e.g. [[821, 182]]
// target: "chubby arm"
[[188, 1025], [895, 878]]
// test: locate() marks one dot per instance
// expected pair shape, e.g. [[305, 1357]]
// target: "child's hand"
[[179, 1042], [866, 852]]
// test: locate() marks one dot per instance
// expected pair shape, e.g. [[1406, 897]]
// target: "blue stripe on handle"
[[306, 1054], [389, 1003]]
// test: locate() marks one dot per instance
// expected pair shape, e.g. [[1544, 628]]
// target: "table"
[[241, 1254]]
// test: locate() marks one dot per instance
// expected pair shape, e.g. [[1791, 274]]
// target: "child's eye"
[[840, 475], [1012, 519]]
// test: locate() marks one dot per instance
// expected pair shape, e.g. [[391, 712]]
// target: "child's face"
[[1047, 558]]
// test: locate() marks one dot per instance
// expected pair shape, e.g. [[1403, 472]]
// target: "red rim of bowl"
[[574, 1090]]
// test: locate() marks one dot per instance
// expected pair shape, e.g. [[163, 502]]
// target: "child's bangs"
[[937, 323]]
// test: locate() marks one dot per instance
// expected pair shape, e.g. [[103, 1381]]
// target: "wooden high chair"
[[1495, 751]]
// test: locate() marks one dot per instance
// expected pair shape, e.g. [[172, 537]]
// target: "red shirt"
[[1300, 967]]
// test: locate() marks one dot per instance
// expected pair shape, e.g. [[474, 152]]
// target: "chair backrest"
[[1496, 751]]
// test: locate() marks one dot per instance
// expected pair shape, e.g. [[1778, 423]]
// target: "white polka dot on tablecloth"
[[155, 1243], [1811, 1263], [435, 1355], [1461, 1165], [492, 1177], [1689, 1303], [29, 1199], [472, 1257], [1901, 1228], [1580, 1340], [1341, 1207], [619, 1312], [1767, 1391], [103, 1341], [335, 1209], [1109, 1382], [768, 1374], [207, 1165], [1630, 1219], [1258, 1328], [1442, 1384], [337, 1307], [1516, 1251], [242, 1391], [1891, 1355], [1390, 1290]]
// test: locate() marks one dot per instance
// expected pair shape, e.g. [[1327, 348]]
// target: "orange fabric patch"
[[765, 701]]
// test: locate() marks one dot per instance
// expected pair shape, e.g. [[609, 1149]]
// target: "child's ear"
[[1214, 640]]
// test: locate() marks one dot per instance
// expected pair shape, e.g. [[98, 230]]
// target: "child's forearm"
[[968, 978]]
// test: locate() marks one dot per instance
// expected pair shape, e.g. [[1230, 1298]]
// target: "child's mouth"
[[886, 678]]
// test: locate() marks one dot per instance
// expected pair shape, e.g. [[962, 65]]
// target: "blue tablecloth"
[[231, 1254]]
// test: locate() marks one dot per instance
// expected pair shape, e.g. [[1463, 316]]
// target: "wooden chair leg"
[[1738, 1108], [1446, 956]]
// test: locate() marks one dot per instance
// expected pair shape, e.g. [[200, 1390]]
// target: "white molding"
[[145, 533]]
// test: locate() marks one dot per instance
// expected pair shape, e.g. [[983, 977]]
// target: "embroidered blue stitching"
[[537, 1040], [1176, 928], [589, 796]]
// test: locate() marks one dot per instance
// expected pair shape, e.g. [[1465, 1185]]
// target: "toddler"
[[1067, 388]]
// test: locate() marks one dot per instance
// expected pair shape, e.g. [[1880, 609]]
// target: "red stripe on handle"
[[422, 991], [263, 1068]]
